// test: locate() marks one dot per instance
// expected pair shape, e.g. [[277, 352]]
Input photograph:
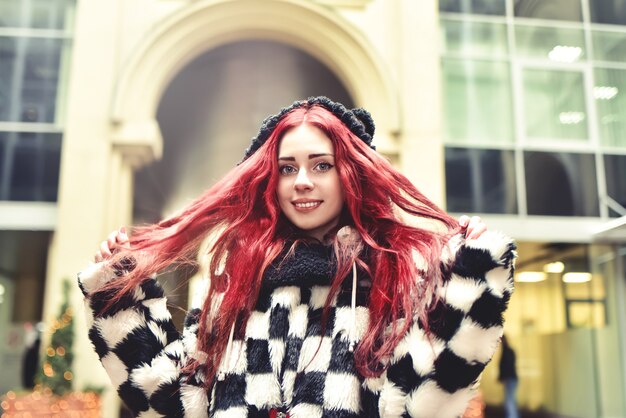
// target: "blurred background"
[[120, 112]]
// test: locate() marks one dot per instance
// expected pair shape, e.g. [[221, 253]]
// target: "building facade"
[[115, 113]]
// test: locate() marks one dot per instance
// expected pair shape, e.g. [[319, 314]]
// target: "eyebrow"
[[311, 156]]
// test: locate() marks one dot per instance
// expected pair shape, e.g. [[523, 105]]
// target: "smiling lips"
[[306, 206]]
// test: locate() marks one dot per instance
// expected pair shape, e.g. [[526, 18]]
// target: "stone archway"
[[204, 25]]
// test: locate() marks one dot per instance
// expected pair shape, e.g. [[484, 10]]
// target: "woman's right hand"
[[111, 245]]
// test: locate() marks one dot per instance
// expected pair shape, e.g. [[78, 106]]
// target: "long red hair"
[[242, 214]]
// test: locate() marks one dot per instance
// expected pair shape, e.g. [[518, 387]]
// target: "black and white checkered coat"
[[285, 362]]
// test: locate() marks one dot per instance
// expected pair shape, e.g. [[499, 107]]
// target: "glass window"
[[608, 11], [573, 372], [609, 46], [39, 14], [474, 38], [31, 166], [480, 180], [477, 101], [586, 314], [585, 286], [29, 78], [554, 105], [615, 169], [561, 184], [553, 44], [584, 292], [549, 9], [485, 7], [610, 97], [608, 348], [22, 283]]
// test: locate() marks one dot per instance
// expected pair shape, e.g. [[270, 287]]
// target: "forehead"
[[305, 139]]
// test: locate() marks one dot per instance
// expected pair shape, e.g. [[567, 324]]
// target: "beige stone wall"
[[125, 53]]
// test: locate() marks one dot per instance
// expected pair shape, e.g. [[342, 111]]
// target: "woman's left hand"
[[474, 226]]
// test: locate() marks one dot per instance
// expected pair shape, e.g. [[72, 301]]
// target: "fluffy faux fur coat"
[[286, 361]]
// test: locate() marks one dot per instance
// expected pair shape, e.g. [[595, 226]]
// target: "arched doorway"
[[207, 24], [211, 110]]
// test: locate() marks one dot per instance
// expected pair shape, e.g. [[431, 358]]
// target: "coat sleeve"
[[140, 349], [437, 374]]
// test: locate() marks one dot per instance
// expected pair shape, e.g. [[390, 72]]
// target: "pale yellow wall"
[[93, 187], [406, 35]]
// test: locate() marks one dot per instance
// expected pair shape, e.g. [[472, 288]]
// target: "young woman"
[[336, 288]]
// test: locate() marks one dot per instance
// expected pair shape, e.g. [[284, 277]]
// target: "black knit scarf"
[[310, 264]]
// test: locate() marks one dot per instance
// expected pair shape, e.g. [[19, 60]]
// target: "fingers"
[[474, 222], [474, 226], [112, 240], [108, 247], [105, 251], [477, 231], [122, 238]]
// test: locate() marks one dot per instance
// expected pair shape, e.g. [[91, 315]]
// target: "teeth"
[[307, 204]]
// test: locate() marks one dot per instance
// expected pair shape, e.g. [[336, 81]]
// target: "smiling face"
[[309, 190]]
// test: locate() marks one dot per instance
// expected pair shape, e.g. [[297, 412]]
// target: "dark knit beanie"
[[358, 120]]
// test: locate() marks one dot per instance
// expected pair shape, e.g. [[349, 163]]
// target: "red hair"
[[243, 211]]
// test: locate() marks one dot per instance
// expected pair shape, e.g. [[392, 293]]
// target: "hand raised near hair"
[[473, 227], [109, 246]]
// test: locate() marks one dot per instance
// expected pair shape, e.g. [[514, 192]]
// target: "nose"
[[303, 182]]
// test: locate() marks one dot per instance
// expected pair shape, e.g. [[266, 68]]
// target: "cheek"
[[283, 191], [335, 196], [338, 191], [341, 193]]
